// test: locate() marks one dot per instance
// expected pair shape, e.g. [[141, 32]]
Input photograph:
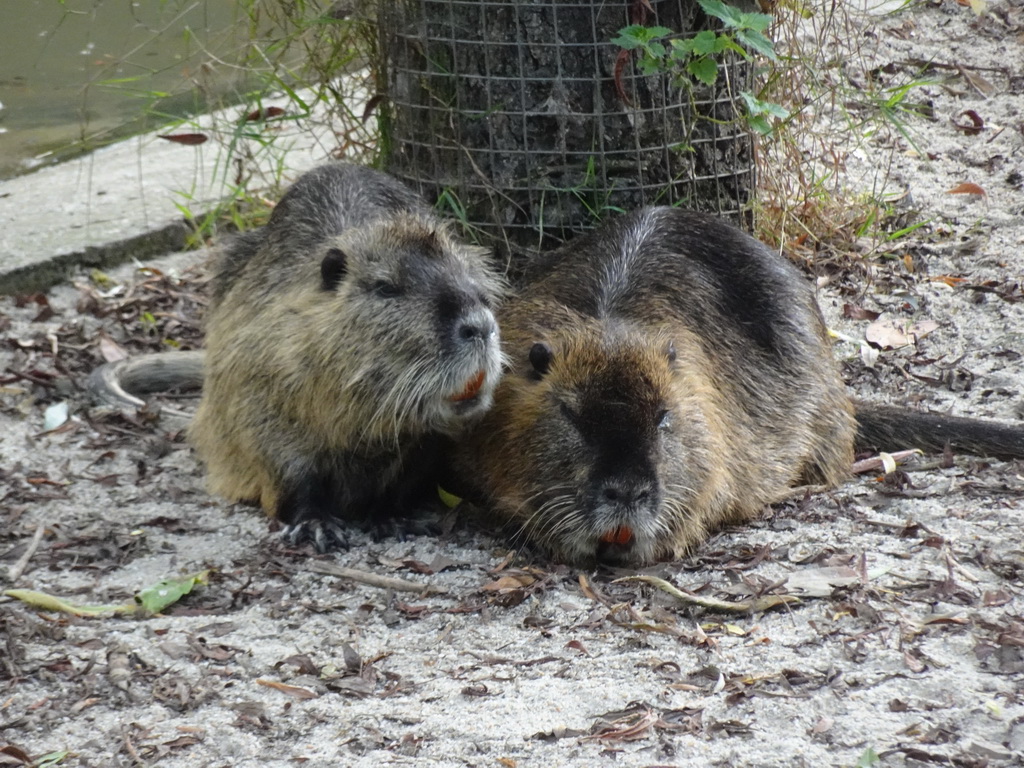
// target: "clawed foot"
[[330, 534], [401, 528], [325, 535]]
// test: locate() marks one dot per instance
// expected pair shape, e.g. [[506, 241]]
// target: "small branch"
[[802, 491], [756, 605], [19, 567], [373, 579], [953, 565], [955, 67], [876, 462]]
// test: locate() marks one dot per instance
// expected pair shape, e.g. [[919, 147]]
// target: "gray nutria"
[[346, 341], [670, 374]]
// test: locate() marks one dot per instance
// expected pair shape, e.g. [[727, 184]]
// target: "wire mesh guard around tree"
[[524, 120]]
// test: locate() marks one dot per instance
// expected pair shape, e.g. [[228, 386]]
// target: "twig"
[[954, 565], [130, 748], [956, 67], [757, 605], [876, 462], [373, 579], [802, 491], [19, 567]]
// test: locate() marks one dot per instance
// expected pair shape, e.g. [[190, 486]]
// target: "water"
[[74, 72]]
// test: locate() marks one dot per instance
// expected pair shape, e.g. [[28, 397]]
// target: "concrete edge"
[[48, 272]]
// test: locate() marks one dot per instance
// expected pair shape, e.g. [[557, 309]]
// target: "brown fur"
[[690, 381], [336, 349]]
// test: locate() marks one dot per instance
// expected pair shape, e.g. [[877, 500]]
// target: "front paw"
[[421, 523], [325, 535]]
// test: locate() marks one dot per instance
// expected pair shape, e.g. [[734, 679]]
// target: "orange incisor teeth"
[[621, 535], [472, 388]]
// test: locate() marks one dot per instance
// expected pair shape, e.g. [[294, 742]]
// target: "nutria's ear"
[[333, 268], [540, 358], [670, 352]]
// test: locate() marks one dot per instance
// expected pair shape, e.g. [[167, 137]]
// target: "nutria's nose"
[[626, 493], [476, 325]]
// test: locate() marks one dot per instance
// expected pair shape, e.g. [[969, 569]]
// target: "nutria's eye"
[[540, 358], [386, 290], [333, 268], [670, 352], [664, 419]]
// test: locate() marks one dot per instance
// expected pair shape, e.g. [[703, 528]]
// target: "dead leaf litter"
[[881, 623]]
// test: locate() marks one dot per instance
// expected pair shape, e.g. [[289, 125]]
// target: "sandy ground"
[[907, 648]]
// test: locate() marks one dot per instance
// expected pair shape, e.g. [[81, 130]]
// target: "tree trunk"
[[523, 119]]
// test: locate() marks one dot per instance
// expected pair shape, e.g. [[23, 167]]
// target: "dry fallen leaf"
[[110, 350], [189, 139], [576, 645], [17, 755], [264, 114], [820, 582], [292, 690], [857, 312], [888, 333], [585, 587], [999, 597], [914, 664], [508, 582], [949, 280], [632, 726], [371, 105], [822, 725], [974, 124], [967, 188]]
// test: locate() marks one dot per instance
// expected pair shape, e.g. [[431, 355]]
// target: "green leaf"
[[682, 49], [757, 42], [727, 43], [704, 69], [758, 22], [628, 39], [731, 17], [704, 43], [51, 758], [169, 591], [450, 500], [649, 66], [760, 124], [656, 50], [757, 107], [637, 35], [759, 112], [868, 759], [148, 601]]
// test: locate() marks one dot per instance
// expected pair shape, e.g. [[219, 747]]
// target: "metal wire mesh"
[[529, 124]]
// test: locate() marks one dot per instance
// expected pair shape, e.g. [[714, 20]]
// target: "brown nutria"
[[346, 341], [668, 374]]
